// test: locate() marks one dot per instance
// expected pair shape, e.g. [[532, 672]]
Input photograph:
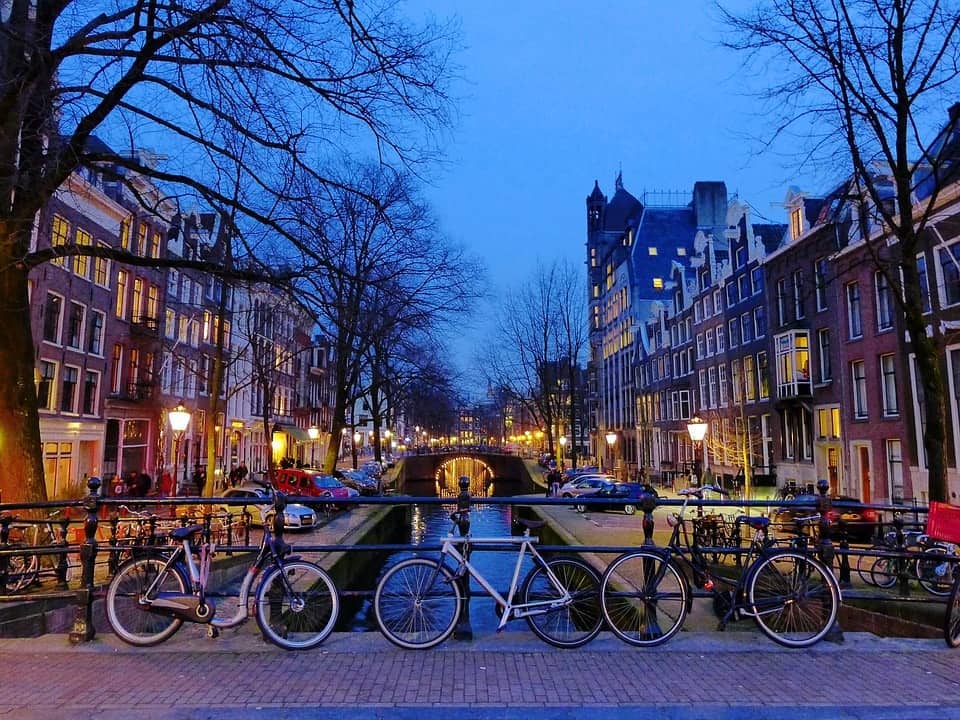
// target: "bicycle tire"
[[793, 598], [951, 617], [935, 576], [22, 571], [297, 605], [417, 603], [128, 620], [866, 562], [884, 572], [567, 626], [640, 590]]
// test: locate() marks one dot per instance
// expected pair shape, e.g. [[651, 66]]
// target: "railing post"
[[83, 630], [844, 553], [113, 562], [464, 631], [825, 550], [648, 503], [902, 562], [62, 564]]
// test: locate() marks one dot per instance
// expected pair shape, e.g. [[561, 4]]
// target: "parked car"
[[584, 484], [861, 521], [630, 494], [260, 507], [360, 481], [310, 483]]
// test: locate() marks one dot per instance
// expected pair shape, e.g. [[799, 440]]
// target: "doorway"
[[863, 457]]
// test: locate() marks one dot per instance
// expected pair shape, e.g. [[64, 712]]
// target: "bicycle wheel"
[[417, 603], [129, 619], [935, 576], [22, 571], [884, 572], [793, 598], [297, 605], [951, 618], [644, 598], [866, 562], [571, 625]]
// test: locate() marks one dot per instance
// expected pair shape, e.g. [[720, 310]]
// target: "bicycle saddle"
[[184, 532]]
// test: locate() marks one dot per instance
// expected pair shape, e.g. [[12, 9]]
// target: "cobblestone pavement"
[[510, 675]]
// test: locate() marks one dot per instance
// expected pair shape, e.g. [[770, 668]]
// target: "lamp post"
[[563, 444], [357, 437], [179, 420], [698, 431], [386, 436], [313, 432], [611, 438]]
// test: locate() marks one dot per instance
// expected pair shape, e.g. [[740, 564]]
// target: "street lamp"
[[611, 438], [698, 431], [563, 444], [357, 437], [386, 436], [179, 420], [313, 432]]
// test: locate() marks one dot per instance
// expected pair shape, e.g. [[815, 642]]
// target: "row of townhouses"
[[119, 346], [785, 339]]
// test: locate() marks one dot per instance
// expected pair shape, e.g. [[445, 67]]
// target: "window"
[[116, 364], [153, 303], [757, 276], [658, 283], [46, 377], [749, 379], [820, 279], [51, 318], [91, 381], [798, 311], [744, 286], [700, 350], [888, 385], [746, 328], [58, 236], [884, 302], [796, 223], [948, 261], [101, 269], [763, 370], [828, 422], [123, 277], [734, 326], [708, 306], [141, 248], [823, 354], [68, 398], [722, 381], [125, 234], [169, 324], [736, 381], [854, 328], [782, 301], [720, 339], [81, 263], [95, 333], [731, 294], [895, 469], [924, 282], [75, 325], [760, 321], [173, 282], [717, 301], [155, 245], [136, 301], [793, 363], [859, 375], [651, 251], [711, 345]]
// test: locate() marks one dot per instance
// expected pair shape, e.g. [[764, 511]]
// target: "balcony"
[[793, 365], [144, 326], [133, 392]]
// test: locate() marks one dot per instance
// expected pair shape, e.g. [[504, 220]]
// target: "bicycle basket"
[[943, 522]]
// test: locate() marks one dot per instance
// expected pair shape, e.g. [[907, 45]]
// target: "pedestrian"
[[553, 483], [199, 478], [241, 472], [166, 483], [143, 484]]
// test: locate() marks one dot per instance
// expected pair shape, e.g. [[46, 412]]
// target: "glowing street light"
[[313, 432], [697, 429], [179, 420]]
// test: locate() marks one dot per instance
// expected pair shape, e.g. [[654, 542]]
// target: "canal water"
[[429, 524]]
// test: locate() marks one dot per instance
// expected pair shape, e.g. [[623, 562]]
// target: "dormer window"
[[651, 251], [796, 223]]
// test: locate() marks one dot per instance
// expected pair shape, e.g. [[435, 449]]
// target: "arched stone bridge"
[[491, 474]]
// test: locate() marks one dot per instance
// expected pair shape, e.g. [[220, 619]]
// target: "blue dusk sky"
[[555, 95]]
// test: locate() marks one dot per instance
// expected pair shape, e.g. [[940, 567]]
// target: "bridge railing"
[[90, 535]]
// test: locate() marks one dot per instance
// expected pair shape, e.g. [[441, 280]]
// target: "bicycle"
[[296, 602], [645, 594], [418, 601], [24, 568]]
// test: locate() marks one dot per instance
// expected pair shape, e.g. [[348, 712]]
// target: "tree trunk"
[[21, 473]]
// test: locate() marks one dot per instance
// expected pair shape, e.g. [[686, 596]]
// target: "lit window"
[[658, 283], [651, 251]]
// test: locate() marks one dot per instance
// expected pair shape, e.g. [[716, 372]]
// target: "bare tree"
[[298, 80], [386, 273], [859, 79]]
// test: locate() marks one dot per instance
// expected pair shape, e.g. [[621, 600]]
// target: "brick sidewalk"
[[696, 675]]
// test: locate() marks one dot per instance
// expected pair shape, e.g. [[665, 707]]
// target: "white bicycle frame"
[[451, 548]]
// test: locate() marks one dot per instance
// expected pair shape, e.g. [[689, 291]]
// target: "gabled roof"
[[771, 235], [622, 210]]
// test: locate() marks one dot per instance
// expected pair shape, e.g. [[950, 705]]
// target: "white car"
[[585, 484], [295, 516]]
